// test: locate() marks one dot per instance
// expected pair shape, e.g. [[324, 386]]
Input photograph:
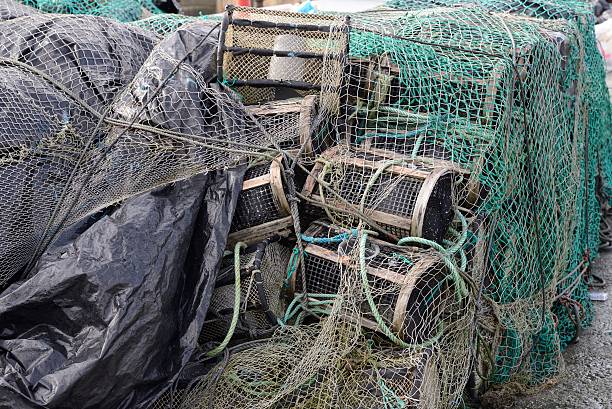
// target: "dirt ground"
[[587, 380]]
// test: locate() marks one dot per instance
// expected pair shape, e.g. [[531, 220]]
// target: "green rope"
[[292, 265], [390, 398], [230, 332], [462, 236], [311, 301], [446, 258], [383, 166], [374, 309]]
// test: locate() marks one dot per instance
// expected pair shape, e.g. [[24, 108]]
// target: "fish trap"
[[268, 54], [262, 271], [409, 288], [262, 210], [404, 196], [292, 123], [394, 143]]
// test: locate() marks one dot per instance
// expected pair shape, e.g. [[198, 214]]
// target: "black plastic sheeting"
[[109, 319], [191, 101]]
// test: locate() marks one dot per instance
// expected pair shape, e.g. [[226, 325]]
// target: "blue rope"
[[327, 240]]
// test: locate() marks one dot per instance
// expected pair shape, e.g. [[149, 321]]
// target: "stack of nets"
[[510, 107], [439, 220], [589, 113]]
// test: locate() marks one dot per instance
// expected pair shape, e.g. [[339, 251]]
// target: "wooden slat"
[[376, 215], [255, 182], [252, 235]]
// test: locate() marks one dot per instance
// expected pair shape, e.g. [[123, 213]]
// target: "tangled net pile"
[[590, 116], [432, 169]]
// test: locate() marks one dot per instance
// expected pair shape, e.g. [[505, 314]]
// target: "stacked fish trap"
[[269, 55], [405, 197], [406, 289], [292, 122], [262, 271], [263, 210]]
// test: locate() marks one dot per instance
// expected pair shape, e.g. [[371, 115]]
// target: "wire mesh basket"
[[269, 54], [292, 122], [262, 210], [262, 270], [404, 196], [409, 287]]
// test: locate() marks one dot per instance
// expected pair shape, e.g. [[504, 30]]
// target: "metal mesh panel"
[[324, 264]]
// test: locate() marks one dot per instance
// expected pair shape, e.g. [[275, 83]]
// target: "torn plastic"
[[109, 320]]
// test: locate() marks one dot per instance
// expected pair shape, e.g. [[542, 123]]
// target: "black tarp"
[[111, 313], [109, 319]]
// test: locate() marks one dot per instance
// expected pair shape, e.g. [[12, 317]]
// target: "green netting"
[[121, 10], [590, 115]]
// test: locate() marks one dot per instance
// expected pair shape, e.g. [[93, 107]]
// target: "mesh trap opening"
[[407, 197]]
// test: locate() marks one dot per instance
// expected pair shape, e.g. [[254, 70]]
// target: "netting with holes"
[[591, 117], [84, 123], [121, 10], [497, 101], [272, 270]]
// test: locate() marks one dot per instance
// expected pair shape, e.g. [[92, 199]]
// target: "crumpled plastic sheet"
[[107, 320]]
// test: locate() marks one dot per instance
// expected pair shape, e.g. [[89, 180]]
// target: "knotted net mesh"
[[120, 10], [442, 198], [497, 102], [591, 117], [95, 111]]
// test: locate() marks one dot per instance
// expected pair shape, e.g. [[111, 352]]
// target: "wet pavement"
[[586, 382]]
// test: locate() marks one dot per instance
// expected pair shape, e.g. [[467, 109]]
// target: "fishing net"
[[591, 117], [93, 97], [120, 10], [491, 103], [434, 167], [165, 24]]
